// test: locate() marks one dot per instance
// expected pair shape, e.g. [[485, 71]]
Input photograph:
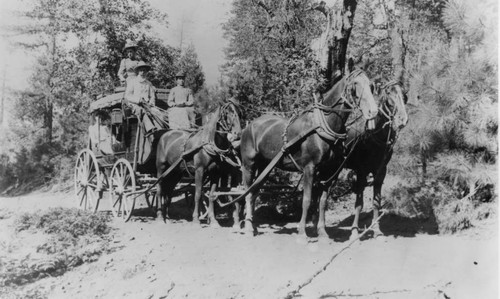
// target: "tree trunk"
[[423, 159], [398, 55], [48, 120], [340, 27]]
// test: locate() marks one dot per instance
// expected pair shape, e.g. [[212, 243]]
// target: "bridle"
[[385, 108], [225, 124], [211, 147], [389, 114], [346, 99]]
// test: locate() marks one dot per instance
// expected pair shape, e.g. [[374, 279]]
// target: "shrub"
[[437, 201], [74, 237]]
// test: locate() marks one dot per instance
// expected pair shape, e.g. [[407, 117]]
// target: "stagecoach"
[[119, 160], [118, 164]]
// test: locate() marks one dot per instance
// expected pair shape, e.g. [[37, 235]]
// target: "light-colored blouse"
[[140, 89], [180, 95], [127, 69]]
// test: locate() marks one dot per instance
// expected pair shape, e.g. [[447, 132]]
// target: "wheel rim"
[[87, 178], [121, 184]]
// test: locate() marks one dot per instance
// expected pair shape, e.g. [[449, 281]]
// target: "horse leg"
[[321, 227], [248, 174], [236, 214], [198, 179], [306, 199], [359, 187], [377, 200], [211, 199], [164, 199], [160, 203]]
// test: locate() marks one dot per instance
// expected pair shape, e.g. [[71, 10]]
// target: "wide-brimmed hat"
[[130, 45], [143, 65], [180, 74]]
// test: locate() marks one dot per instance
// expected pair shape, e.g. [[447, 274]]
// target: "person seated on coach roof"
[[127, 71]]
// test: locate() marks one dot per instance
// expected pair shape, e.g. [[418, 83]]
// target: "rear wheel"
[[88, 181], [121, 187]]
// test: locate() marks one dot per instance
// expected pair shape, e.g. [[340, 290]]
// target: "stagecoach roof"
[[116, 98], [106, 102]]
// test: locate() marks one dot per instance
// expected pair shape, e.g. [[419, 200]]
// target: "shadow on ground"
[[397, 225]]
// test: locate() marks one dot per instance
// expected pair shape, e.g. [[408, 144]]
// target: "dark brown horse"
[[316, 154], [371, 151], [208, 150]]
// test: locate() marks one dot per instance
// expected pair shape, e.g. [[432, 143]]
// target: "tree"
[[270, 62], [189, 64]]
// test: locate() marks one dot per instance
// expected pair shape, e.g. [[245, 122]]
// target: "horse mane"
[[335, 92], [210, 127], [338, 89]]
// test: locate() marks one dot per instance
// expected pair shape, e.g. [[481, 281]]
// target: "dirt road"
[[181, 260]]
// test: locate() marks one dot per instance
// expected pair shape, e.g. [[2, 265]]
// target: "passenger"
[[180, 101], [127, 72], [100, 135], [139, 92]]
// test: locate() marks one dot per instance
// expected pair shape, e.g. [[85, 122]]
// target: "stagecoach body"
[[119, 160]]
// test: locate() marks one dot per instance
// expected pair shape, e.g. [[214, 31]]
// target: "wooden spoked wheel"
[[88, 180], [121, 185]]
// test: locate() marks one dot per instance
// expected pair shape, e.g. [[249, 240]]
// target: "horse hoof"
[[215, 225], [376, 231], [378, 235], [249, 229]]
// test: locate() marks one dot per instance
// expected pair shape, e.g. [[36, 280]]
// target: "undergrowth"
[[439, 202], [73, 237]]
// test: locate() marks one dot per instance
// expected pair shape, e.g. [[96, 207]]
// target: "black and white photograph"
[[249, 149]]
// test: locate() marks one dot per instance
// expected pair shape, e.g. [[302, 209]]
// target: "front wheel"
[[121, 188], [88, 183]]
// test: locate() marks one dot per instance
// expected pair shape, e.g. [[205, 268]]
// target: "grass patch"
[[52, 242]]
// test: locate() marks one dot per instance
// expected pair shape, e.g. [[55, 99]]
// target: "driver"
[[141, 91]]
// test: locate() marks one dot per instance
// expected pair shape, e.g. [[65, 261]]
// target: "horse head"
[[223, 125], [229, 120], [392, 104], [354, 91]]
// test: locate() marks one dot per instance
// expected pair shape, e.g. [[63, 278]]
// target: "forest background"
[[447, 152]]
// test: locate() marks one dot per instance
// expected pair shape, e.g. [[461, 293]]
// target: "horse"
[[370, 152], [318, 133], [205, 153]]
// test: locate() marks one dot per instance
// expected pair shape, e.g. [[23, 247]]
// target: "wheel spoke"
[[84, 195], [126, 180]]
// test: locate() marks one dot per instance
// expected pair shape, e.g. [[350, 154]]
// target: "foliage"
[[450, 63], [270, 61], [439, 202], [190, 65], [73, 237]]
